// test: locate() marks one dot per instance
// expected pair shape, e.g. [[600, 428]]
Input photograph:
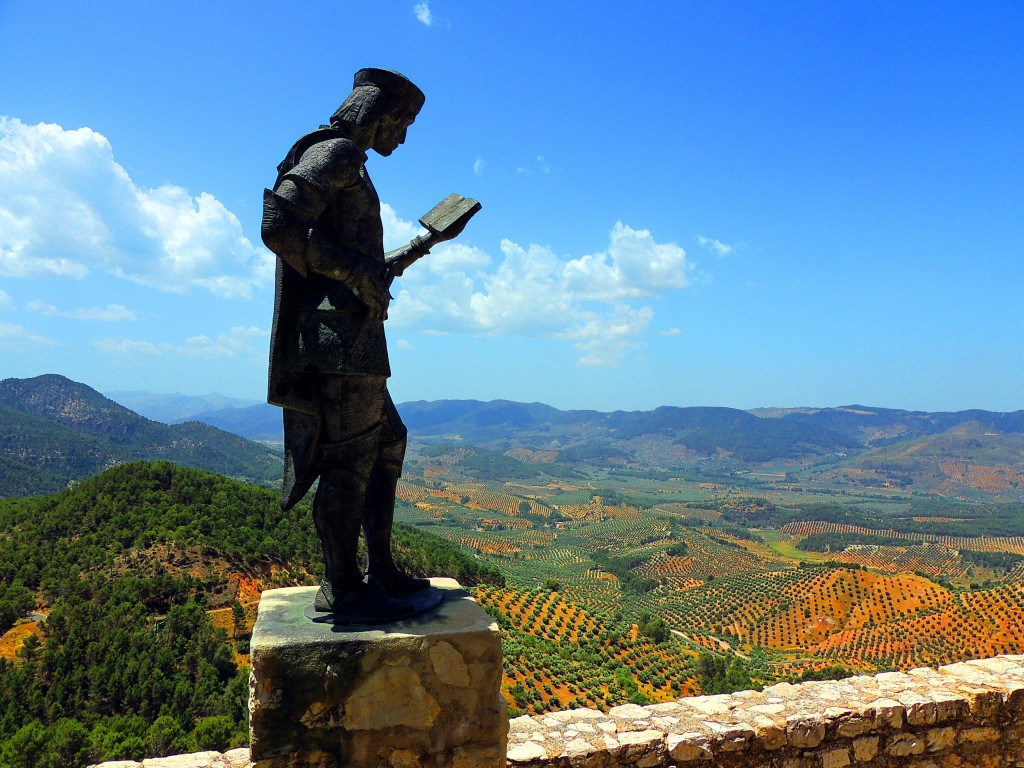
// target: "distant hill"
[[971, 460], [54, 431], [879, 426], [171, 408]]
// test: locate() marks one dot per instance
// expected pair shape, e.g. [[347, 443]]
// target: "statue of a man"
[[328, 359]]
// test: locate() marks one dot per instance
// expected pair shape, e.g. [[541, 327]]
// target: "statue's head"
[[383, 104]]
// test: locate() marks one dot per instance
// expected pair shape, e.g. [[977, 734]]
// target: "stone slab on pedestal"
[[419, 693]]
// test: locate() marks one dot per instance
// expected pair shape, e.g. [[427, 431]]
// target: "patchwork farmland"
[[625, 587]]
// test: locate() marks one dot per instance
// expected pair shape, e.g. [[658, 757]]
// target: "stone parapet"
[[420, 692], [236, 758], [961, 715]]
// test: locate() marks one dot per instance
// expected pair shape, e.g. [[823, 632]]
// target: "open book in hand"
[[447, 219]]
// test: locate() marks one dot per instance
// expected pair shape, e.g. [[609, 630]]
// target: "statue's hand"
[[368, 284], [400, 259]]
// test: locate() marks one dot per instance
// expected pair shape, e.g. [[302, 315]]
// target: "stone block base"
[[419, 693]]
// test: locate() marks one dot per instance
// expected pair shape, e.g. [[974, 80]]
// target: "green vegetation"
[[621, 568], [15, 602], [723, 674], [129, 563], [997, 561], [837, 542], [111, 683]]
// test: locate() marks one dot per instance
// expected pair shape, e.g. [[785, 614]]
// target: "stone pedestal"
[[419, 693]]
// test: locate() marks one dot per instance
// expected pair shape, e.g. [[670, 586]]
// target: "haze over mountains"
[[171, 408]]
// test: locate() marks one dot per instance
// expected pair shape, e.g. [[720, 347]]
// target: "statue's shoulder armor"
[[324, 160], [323, 133], [329, 165]]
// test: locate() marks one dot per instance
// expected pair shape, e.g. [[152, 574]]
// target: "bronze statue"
[[328, 355]]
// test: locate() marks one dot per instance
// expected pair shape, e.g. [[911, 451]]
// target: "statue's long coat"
[[320, 326]]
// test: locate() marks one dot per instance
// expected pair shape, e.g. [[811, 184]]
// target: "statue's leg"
[[337, 512], [378, 517], [348, 451]]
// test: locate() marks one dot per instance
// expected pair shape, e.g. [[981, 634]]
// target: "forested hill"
[[128, 565], [54, 430], [160, 520]]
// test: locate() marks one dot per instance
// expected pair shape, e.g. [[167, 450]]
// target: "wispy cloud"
[[478, 166], [109, 313], [539, 163], [597, 301], [670, 332], [422, 11], [5, 300], [716, 247], [237, 342], [68, 208], [16, 336], [131, 347]]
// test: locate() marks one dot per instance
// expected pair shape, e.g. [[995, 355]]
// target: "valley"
[[627, 557]]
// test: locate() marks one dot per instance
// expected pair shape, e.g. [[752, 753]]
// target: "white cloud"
[[670, 332], [633, 266], [478, 166], [403, 344], [397, 232], [422, 11], [715, 246], [589, 301], [109, 313], [5, 299], [68, 208], [130, 347], [237, 342], [540, 164], [604, 339], [13, 336]]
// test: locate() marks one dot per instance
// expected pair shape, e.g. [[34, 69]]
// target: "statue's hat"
[[393, 82]]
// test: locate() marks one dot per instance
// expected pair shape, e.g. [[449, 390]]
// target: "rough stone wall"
[[236, 758], [959, 716]]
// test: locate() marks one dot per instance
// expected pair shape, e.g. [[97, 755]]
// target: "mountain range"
[[54, 431], [970, 454]]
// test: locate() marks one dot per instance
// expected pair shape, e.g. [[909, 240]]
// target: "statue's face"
[[390, 133]]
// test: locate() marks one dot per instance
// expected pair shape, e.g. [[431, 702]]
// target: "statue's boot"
[[378, 519], [369, 604]]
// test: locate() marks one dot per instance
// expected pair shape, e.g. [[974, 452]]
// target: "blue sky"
[[684, 203]]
